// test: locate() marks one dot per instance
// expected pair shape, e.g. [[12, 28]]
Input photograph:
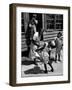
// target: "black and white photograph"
[[41, 44]]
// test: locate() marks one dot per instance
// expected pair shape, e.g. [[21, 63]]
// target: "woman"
[[35, 43], [30, 31]]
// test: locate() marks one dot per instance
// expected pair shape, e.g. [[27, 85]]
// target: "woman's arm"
[[41, 48], [34, 42]]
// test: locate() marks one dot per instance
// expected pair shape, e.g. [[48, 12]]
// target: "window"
[[54, 21]]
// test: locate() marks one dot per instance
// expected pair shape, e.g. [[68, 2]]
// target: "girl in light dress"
[[39, 51]]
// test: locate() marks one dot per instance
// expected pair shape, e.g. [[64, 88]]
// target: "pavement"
[[29, 69]]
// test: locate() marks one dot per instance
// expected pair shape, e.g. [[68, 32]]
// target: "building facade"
[[52, 23]]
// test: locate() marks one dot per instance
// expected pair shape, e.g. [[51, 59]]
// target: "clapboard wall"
[[50, 35]]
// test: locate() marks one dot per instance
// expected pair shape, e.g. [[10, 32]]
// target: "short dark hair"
[[59, 34]]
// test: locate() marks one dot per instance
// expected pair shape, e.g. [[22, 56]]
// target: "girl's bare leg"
[[59, 57], [56, 57], [51, 66], [45, 66]]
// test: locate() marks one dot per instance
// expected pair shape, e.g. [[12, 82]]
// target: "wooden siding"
[[49, 35]]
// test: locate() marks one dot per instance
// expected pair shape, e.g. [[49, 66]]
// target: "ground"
[[29, 69]]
